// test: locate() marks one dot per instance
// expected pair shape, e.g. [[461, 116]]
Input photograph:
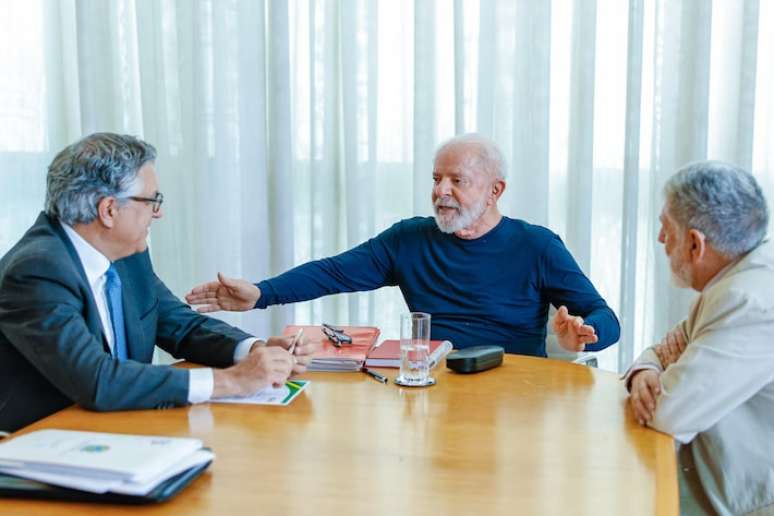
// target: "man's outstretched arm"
[[366, 267]]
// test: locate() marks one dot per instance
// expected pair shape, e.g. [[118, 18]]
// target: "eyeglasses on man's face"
[[336, 335], [156, 201]]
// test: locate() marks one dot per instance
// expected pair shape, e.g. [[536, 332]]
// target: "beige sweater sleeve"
[[729, 358]]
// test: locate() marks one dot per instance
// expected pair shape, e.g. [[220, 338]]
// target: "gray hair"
[[722, 201], [98, 166], [489, 156]]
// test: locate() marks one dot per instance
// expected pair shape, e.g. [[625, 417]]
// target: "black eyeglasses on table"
[[336, 335]]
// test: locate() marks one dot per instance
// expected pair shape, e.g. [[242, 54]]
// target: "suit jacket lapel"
[[93, 321]]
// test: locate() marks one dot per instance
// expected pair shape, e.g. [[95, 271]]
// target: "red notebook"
[[348, 357], [387, 354]]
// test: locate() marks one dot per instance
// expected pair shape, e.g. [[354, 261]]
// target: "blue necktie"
[[116, 308]]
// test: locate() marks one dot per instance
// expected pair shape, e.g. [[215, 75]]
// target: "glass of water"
[[415, 350]]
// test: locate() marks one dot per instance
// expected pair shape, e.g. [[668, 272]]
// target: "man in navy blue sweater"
[[484, 278]]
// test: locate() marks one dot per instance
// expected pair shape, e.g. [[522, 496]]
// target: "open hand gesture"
[[571, 332], [234, 295]]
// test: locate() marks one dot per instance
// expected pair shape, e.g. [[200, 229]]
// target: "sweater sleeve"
[[727, 361], [368, 266], [564, 283]]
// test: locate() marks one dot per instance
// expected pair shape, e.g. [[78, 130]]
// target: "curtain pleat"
[[425, 138], [580, 160], [280, 155], [459, 67], [487, 69], [529, 173], [747, 81], [631, 191]]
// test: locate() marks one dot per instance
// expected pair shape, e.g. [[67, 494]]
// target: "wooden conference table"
[[534, 436]]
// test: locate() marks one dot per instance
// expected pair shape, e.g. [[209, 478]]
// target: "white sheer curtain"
[[294, 130]]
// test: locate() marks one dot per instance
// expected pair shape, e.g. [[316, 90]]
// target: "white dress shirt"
[[96, 264]]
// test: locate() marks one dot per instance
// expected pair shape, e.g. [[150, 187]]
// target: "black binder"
[[15, 487]]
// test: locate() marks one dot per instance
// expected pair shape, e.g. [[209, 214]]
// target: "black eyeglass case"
[[475, 359]]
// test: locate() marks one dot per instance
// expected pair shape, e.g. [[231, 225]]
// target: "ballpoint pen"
[[376, 376], [291, 349], [297, 338]]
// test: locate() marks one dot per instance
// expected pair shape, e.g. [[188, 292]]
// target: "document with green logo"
[[282, 395]]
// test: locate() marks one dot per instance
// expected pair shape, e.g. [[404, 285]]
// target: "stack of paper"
[[100, 462], [347, 357]]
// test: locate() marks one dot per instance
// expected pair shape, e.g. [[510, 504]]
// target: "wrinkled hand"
[[234, 295], [263, 366], [570, 331], [671, 347], [645, 388], [302, 353]]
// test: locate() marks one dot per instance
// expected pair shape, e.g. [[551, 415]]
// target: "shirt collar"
[[725, 270], [95, 264]]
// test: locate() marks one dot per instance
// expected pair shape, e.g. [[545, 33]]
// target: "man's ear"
[[498, 187], [107, 210], [697, 242]]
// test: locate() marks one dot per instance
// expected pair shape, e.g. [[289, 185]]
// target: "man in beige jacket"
[[710, 383]]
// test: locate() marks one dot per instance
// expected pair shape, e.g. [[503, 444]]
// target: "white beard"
[[682, 275], [451, 223]]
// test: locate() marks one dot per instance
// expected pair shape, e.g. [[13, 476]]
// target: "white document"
[[270, 395], [132, 488]]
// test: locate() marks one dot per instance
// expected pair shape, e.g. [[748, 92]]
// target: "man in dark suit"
[[81, 308]]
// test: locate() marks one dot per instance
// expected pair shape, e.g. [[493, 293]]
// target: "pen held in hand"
[[376, 376], [296, 340]]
